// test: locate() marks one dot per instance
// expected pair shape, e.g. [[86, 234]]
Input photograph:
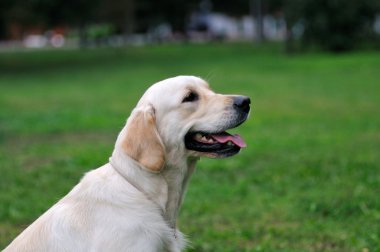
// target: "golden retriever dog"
[[132, 202]]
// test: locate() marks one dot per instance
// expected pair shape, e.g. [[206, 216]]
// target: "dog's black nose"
[[242, 103]]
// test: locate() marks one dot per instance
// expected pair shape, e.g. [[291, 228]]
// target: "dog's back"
[[103, 212]]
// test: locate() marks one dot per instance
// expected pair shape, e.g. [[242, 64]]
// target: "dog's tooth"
[[204, 138], [198, 136]]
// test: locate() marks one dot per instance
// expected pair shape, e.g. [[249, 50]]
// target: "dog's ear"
[[142, 141]]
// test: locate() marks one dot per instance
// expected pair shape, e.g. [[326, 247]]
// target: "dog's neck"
[[166, 189], [177, 177]]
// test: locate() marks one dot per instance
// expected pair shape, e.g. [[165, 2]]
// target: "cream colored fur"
[[132, 202]]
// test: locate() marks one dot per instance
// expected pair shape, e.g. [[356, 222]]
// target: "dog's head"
[[182, 115]]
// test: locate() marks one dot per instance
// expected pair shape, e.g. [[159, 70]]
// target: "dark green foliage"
[[338, 25], [334, 25]]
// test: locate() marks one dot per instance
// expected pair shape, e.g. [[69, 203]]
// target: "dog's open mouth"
[[219, 144]]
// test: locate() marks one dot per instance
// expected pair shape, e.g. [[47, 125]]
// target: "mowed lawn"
[[309, 179]]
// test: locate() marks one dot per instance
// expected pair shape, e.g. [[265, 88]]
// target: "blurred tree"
[[339, 25], [76, 13], [175, 12], [335, 25], [258, 12], [16, 13], [4, 6], [235, 8], [120, 13]]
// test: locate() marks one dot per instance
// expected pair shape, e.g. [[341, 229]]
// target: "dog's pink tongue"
[[225, 137]]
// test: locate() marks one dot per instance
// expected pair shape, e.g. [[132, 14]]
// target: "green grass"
[[308, 181]]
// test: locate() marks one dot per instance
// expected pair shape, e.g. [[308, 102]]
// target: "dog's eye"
[[190, 97]]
